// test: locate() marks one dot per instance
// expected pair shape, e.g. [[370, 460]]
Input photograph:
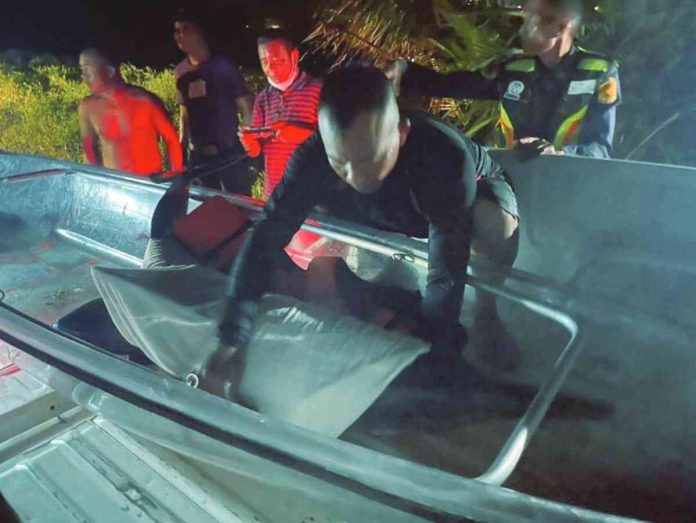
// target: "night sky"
[[139, 31]]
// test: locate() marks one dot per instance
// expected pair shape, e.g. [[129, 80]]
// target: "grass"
[[38, 107]]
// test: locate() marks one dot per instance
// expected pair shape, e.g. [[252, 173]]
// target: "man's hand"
[[250, 142], [395, 72], [537, 146], [289, 133], [222, 373]]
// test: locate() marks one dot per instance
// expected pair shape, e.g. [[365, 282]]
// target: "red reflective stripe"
[[571, 132], [9, 370]]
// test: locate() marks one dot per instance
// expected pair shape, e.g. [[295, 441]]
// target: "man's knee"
[[492, 224]]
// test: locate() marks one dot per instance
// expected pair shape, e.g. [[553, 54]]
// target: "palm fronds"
[[378, 31], [442, 34]]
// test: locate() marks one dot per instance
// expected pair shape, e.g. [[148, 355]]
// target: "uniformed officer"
[[557, 97]]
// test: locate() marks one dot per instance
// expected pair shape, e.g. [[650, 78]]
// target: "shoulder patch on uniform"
[[594, 64], [608, 92], [526, 65]]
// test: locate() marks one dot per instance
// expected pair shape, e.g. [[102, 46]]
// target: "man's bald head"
[[360, 125], [352, 90]]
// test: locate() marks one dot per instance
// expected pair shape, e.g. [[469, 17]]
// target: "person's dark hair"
[[272, 35], [575, 8], [195, 17], [353, 89]]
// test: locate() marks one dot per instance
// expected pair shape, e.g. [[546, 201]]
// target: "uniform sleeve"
[[422, 81], [597, 133], [283, 214], [447, 205]]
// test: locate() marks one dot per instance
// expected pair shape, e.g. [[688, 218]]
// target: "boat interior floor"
[[459, 428]]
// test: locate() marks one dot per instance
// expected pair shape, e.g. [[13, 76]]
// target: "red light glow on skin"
[[277, 61], [121, 124]]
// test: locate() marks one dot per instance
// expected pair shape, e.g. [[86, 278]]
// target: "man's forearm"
[[448, 253], [175, 153], [249, 279], [253, 269], [183, 128], [293, 133], [184, 137], [590, 150], [89, 144], [237, 323]]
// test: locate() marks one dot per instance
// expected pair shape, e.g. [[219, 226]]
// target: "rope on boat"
[[2, 295]]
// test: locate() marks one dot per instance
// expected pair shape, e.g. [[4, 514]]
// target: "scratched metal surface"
[[609, 243]]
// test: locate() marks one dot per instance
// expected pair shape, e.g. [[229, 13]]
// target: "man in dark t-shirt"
[[211, 91], [414, 175]]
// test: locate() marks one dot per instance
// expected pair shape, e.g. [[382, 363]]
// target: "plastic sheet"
[[305, 364]]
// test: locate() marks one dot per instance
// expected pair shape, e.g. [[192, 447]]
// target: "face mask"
[[287, 83]]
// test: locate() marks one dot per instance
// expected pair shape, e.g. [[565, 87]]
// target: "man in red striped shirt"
[[288, 107]]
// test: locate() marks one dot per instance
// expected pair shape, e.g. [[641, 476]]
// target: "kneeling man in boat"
[[121, 124], [406, 173]]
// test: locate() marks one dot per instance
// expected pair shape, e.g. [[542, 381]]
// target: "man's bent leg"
[[496, 240]]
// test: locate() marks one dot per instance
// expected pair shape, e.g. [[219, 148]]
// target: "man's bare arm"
[[166, 130], [90, 138], [245, 106], [183, 127]]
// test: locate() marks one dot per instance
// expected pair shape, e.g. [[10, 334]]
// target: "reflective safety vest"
[[518, 105]]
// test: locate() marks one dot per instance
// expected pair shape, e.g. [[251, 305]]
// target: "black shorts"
[[498, 190]]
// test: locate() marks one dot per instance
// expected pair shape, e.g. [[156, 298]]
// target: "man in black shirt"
[[368, 164], [210, 92]]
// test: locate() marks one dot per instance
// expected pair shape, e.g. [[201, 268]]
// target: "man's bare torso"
[[125, 126]]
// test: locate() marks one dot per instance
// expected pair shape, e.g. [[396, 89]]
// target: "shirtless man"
[[121, 124]]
